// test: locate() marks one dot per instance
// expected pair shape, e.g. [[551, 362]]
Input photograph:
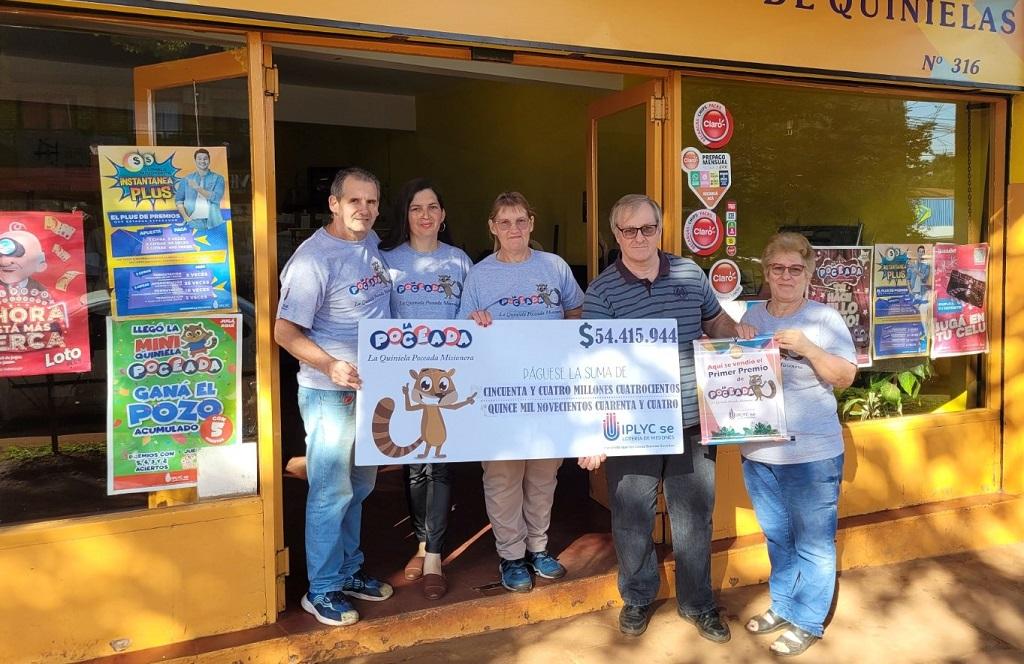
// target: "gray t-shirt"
[[327, 286], [811, 416], [426, 285], [541, 287]]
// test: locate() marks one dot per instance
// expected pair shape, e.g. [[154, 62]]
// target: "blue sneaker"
[[330, 608], [515, 576], [545, 565], [362, 586]]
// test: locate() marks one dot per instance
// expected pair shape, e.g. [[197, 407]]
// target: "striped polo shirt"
[[681, 291]]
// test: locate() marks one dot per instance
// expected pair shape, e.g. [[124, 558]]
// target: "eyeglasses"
[[521, 223], [777, 270], [629, 232]]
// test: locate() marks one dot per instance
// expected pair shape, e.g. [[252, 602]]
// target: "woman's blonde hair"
[[782, 243]]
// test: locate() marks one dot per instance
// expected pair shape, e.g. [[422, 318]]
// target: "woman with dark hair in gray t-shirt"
[[794, 485], [427, 276]]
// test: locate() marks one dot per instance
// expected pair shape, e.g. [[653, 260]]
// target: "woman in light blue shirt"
[[794, 485]]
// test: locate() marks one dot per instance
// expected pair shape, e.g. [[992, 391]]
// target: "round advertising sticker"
[[725, 279], [703, 232], [712, 123]]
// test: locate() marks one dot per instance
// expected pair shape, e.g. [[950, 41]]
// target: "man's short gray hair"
[[629, 203]]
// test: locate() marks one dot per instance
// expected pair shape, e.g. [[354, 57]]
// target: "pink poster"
[[961, 280], [44, 324], [842, 280]]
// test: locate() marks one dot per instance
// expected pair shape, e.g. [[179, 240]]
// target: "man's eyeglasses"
[[777, 270], [629, 232], [521, 223]]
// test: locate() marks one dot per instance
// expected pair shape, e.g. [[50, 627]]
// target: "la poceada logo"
[[410, 336], [713, 125]]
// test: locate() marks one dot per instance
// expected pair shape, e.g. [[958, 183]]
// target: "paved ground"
[[965, 607]]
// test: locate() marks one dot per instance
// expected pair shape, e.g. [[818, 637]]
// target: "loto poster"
[[173, 388], [455, 391], [739, 390], [167, 217], [842, 280], [44, 321], [961, 280], [901, 300]]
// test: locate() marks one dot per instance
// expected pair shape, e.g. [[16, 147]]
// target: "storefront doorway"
[[475, 128]]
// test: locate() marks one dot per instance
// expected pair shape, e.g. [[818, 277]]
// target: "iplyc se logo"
[[611, 426]]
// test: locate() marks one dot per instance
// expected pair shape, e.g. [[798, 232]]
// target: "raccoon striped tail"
[[381, 435]]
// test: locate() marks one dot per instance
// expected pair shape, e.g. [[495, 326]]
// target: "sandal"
[[766, 623], [414, 568], [434, 586], [793, 642]]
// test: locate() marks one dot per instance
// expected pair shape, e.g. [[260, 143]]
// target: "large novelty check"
[[438, 390]]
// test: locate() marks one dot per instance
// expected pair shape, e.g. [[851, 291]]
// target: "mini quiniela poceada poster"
[[739, 390], [173, 388]]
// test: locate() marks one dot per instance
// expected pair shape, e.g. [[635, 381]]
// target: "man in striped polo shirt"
[[648, 283]]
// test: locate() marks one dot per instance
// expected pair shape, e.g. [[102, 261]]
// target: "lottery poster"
[[842, 280], [739, 390], [44, 322], [173, 388], [167, 216], [901, 300], [961, 279]]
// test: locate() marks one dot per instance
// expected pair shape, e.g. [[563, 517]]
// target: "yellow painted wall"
[[888, 465], [71, 587], [1013, 434]]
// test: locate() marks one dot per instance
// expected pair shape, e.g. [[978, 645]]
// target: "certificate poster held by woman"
[[739, 390]]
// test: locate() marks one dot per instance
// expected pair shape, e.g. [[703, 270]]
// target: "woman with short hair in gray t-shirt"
[[427, 277], [517, 282], [794, 485]]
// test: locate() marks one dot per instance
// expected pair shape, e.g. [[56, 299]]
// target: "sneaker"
[[709, 624], [362, 586], [633, 619], [330, 608], [545, 565], [515, 576]]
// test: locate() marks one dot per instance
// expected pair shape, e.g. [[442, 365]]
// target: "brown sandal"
[[434, 586], [414, 568]]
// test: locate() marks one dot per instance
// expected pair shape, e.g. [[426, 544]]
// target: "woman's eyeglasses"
[[506, 224], [777, 270], [629, 232]]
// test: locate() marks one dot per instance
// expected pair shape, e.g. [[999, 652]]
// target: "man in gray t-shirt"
[[335, 278]]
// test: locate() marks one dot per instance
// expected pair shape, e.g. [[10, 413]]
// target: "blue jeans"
[[689, 485], [797, 507], [337, 488]]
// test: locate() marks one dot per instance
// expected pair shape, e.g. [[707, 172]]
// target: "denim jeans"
[[689, 486], [337, 487], [797, 507], [428, 487]]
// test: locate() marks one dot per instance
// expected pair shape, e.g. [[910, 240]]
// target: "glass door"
[[624, 152]]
